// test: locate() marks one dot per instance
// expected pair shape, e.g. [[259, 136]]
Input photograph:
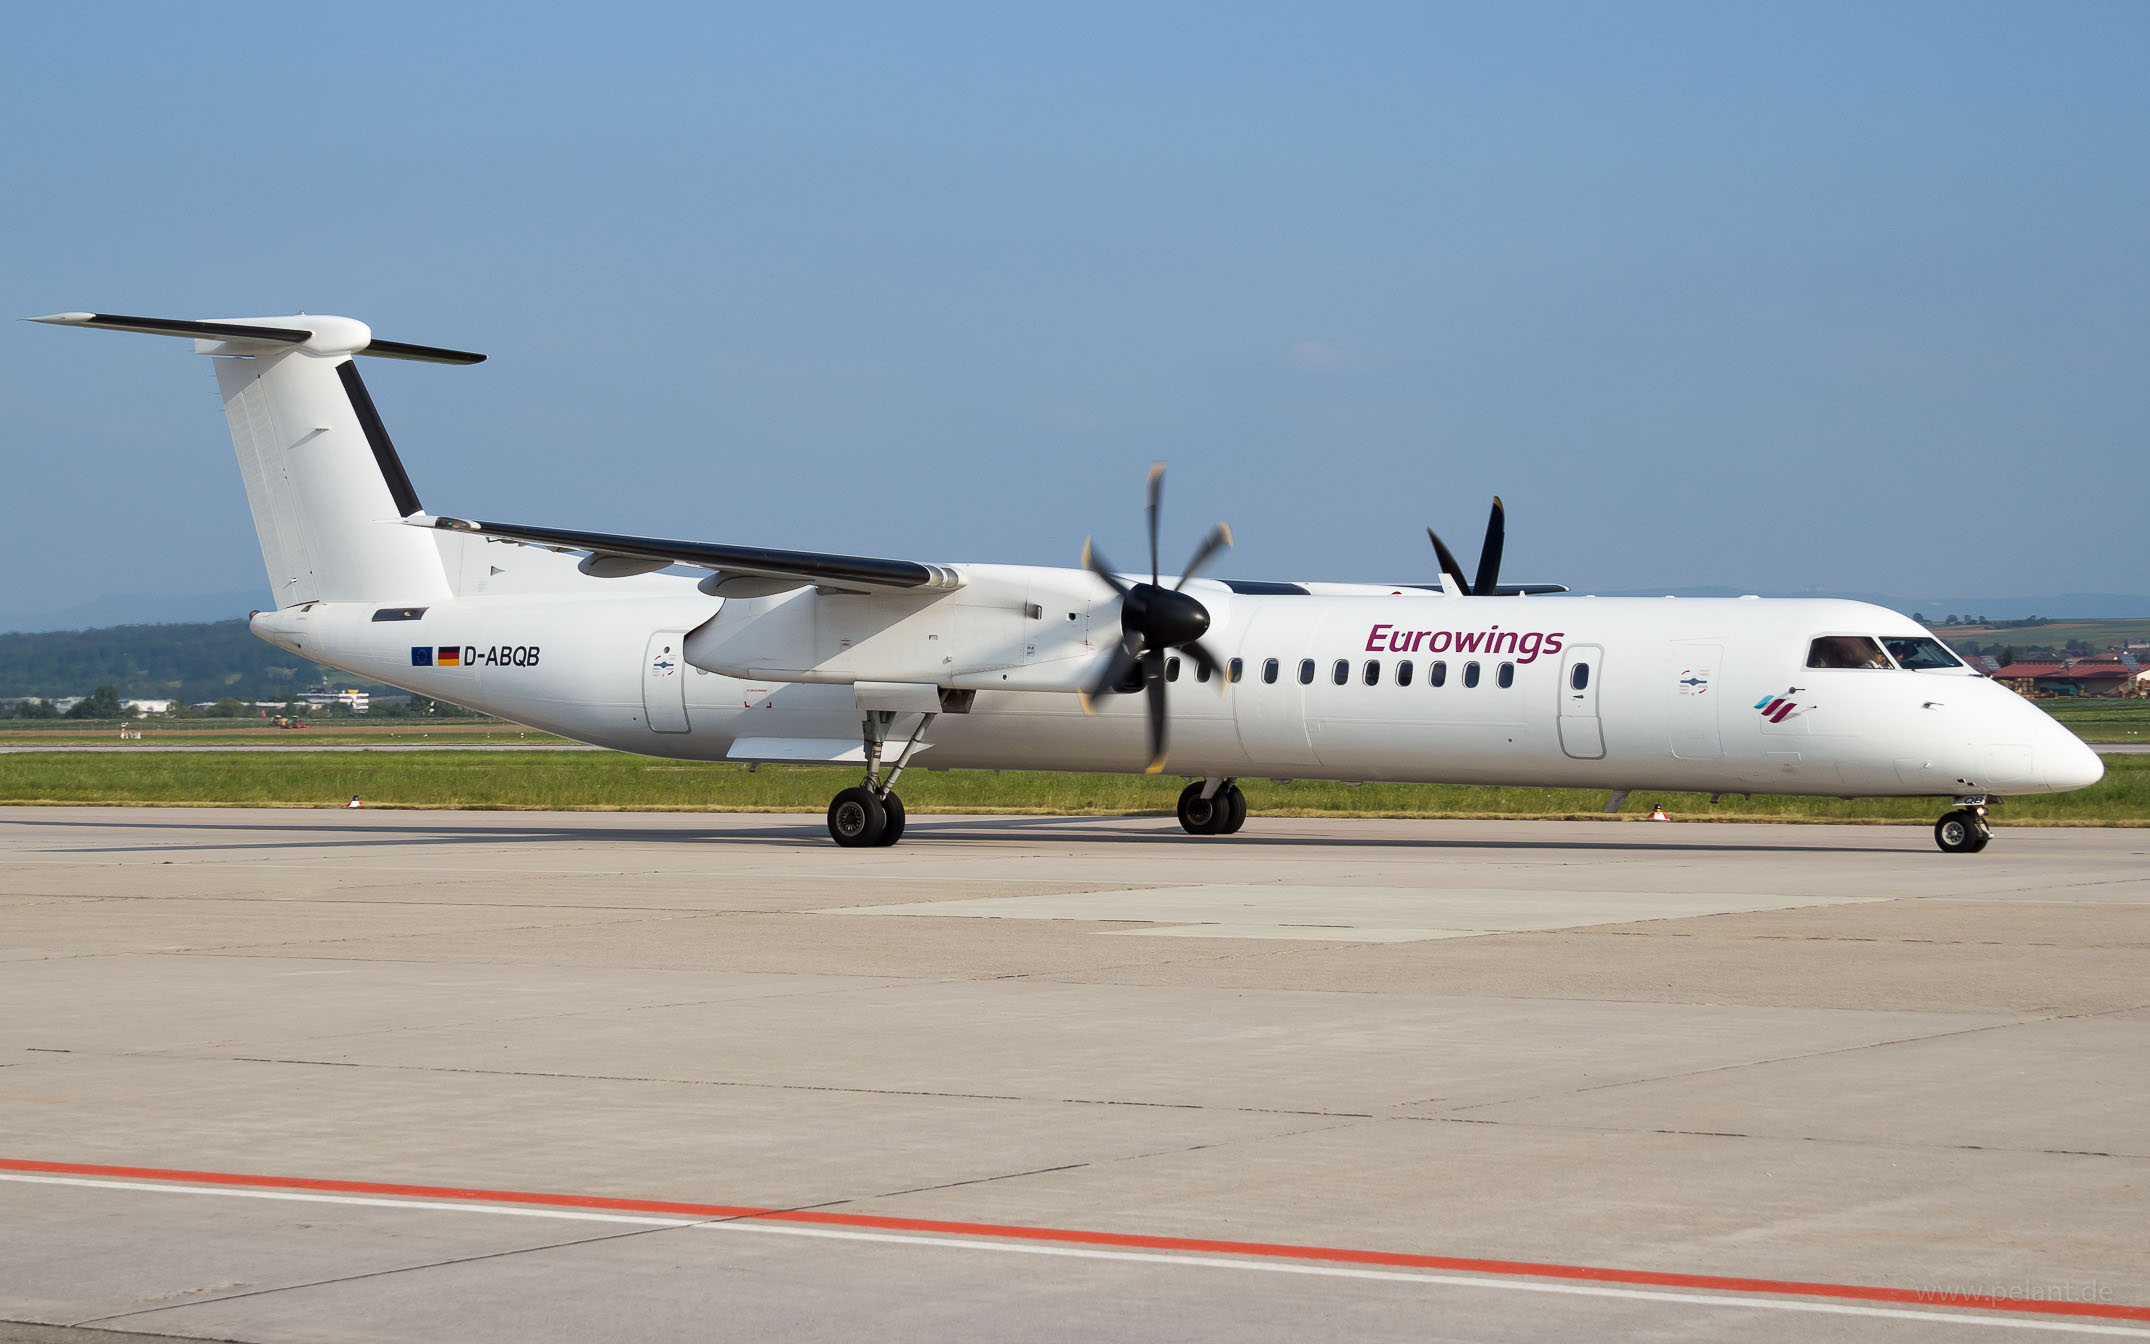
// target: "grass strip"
[[611, 781]]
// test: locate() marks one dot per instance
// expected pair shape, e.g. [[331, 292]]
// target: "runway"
[[278, 1075]]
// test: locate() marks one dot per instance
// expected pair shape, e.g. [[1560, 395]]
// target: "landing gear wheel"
[[1238, 815], [857, 819], [1203, 816], [893, 831], [1962, 832]]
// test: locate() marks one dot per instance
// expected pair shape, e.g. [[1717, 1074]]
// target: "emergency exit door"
[[1581, 735], [664, 682]]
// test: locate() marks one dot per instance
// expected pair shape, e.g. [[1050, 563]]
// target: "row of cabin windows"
[[1370, 673]]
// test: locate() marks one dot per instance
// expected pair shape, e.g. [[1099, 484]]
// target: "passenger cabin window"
[[1306, 671], [1579, 677], [1845, 651], [1172, 669], [1201, 673], [1269, 672], [1922, 655], [1437, 674], [1341, 673], [1373, 671], [1507, 675], [1470, 674], [1233, 672], [1403, 673]]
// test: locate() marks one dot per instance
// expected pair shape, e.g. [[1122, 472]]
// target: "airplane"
[[763, 655]]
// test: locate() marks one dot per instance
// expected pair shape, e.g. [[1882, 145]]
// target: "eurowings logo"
[[1775, 708]]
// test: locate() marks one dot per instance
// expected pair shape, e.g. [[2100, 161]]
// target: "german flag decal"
[[450, 656]]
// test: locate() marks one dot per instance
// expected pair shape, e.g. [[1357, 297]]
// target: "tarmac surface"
[[297, 1075]]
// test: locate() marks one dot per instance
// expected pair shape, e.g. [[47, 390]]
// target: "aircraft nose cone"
[[2068, 764]]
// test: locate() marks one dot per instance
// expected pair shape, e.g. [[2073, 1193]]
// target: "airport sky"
[[1817, 296]]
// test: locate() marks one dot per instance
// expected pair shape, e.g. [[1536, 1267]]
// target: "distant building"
[[147, 706], [2097, 677], [357, 701]]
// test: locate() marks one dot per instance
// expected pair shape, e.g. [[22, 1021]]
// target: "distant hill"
[[127, 609], [2101, 606], [205, 661]]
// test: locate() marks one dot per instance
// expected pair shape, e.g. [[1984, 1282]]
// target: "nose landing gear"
[[1964, 831], [870, 815], [1221, 811]]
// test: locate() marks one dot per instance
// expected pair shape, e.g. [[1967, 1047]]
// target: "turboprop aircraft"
[[762, 655]]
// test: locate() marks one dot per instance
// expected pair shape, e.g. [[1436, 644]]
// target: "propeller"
[[1154, 620], [1487, 584]]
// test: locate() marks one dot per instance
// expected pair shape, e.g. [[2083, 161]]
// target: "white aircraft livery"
[[719, 652]]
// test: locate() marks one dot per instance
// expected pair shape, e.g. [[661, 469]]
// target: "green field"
[[582, 781], [238, 732], [2099, 720]]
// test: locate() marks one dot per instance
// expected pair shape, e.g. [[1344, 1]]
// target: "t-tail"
[[328, 493]]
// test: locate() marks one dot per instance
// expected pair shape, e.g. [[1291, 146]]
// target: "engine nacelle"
[[1005, 628]]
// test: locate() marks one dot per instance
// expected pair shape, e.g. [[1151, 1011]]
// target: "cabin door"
[[664, 682], [1581, 735]]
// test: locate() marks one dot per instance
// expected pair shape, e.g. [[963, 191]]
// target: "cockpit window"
[[1846, 651], [1921, 655]]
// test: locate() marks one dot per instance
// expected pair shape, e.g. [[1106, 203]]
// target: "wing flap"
[[806, 567]]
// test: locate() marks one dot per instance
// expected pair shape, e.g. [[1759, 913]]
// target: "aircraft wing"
[[736, 571]]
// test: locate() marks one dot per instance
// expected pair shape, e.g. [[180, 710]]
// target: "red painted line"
[[1118, 1240]]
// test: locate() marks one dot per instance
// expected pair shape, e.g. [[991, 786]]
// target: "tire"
[[893, 831], [856, 819], [1202, 816], [1238, 814], [1961, 832]]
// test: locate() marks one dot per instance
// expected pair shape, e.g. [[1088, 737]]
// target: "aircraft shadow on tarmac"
[[809, 833]]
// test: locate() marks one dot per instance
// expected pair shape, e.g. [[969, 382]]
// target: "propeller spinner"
[[1153, 621]]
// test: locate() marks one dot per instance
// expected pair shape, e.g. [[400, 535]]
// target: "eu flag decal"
[[422, 656], [451, 656]]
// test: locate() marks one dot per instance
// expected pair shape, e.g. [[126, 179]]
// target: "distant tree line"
[[188, 663]]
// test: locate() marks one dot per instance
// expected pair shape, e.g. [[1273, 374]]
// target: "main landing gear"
[[871, 815], [1964, 831], [1212, 807]]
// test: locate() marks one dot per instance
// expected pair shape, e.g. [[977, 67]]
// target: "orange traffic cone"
[[354, 802]]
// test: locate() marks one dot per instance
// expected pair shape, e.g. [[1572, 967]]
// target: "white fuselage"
[[1579, 692]]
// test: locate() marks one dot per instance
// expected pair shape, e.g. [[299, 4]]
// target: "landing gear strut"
[[1212, 807], [1964, 831], [870, 815]]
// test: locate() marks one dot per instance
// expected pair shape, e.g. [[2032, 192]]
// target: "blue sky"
[[1815, 296]]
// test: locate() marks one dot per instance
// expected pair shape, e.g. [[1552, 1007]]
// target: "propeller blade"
[[1210, 664], [1157, 496], [1489, 559], [1449, 568], [1093, 560], [1219, 538], [1107, 681], [1153, 677]]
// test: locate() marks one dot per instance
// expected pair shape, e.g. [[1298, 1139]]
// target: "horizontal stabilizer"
[[299, 331]]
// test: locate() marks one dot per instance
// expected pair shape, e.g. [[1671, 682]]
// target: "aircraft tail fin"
[[327, 490]]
